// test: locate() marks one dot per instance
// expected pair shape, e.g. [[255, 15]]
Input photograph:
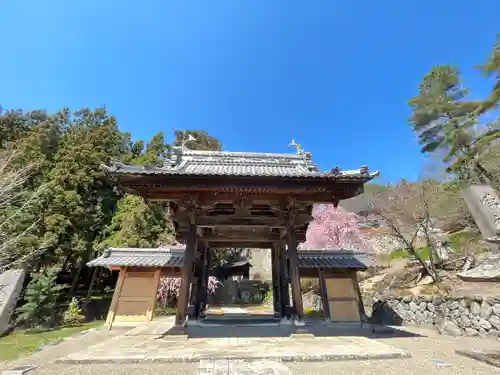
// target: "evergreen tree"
[[492, 70], [40, 299], [444, 120], [203, 141], [136, 222]]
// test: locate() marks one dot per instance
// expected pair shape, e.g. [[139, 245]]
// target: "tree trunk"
[[424, 264], [95, 275], [76, 279], [65, 263]]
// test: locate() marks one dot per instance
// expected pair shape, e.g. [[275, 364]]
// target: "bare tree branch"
[[16, 203], [404, 209]]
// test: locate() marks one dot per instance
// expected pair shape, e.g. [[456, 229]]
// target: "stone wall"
[[457, 316], [11, 286]]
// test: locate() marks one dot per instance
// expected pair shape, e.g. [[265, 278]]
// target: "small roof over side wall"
[[335, 259], [174, 257], [139, 257]]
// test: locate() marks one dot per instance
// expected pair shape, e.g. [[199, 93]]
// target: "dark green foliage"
[[40, 299], [229, 255], [79, 211], [203, 140], [445, 120], [492, 70]]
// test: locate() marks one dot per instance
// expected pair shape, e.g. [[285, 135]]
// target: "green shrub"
[[40, 299], [74, 314], [268, 298], [163, 311], [306, 285]]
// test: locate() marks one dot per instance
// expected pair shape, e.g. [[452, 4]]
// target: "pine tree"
[[444, 120], [491, 69], [40, 299]]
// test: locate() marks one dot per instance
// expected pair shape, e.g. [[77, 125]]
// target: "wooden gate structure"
[[134, 297], [220, 199]]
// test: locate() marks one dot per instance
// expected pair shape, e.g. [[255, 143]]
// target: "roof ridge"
[[242, 153], [145, 249]]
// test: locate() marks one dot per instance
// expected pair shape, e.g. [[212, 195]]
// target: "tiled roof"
[[166, 257], [335, 259], [216, 163]]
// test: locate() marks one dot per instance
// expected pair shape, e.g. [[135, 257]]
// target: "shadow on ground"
[[266, 326]]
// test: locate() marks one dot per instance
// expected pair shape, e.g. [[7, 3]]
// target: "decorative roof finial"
[[297, 146], [187, 138]]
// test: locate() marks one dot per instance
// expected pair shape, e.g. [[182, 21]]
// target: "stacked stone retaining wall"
[[457, 316]]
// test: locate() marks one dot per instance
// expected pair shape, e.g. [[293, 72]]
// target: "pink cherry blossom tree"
[[333, 228], [169, 288]]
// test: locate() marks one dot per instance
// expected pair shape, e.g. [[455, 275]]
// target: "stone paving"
[[431, 353], [146, 343], [254, 351], [137, 349]]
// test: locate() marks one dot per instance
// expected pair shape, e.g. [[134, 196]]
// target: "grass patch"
[[164, 311], [261, 307], [461, 239], [268, 298], [20, 343], [423, 252], [315, 314]]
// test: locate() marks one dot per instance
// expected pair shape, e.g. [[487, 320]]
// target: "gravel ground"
[[173, 369], [431, 347]]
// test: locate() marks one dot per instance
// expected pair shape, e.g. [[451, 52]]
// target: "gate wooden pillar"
[[283, 273], [201, 285], [206, 272], [293, 257], [186, 276], [324, 295], [275, 276]]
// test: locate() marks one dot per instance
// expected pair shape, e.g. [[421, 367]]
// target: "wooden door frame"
[[351, 275]]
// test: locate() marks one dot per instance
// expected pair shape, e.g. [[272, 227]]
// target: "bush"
[[40, 299], [306, 285], [74, 314], [163, 311]]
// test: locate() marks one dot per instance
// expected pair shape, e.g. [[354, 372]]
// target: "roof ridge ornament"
[[186, 138], [177, 151], [297, 146]]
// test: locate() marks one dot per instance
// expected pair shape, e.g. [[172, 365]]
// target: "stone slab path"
[[140, 349], [242, 367], [156, 328], [431, 353], [233, 310]]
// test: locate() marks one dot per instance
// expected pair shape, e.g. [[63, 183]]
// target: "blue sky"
[[334, 75]]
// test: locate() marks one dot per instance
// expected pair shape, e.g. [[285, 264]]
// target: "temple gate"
[[223, 199]]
